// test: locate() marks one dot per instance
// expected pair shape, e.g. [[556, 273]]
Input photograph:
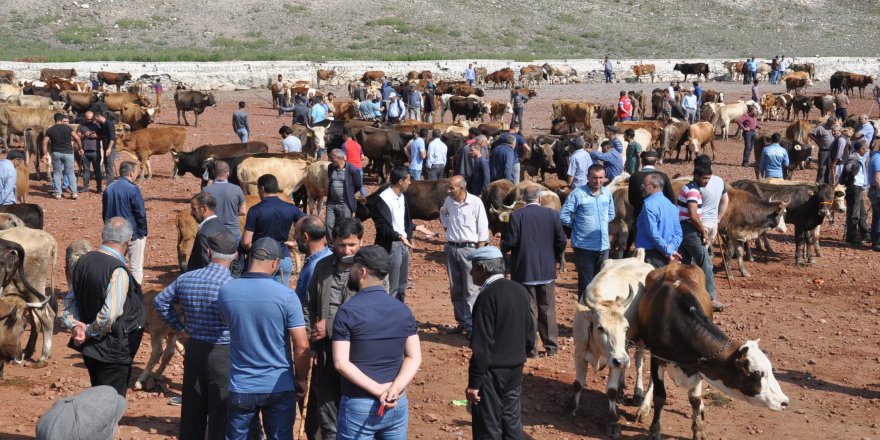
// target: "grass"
[[397, 24], [77, 34], [132, 23], [716, 399], [232, 43], [46, 19], [292, 8]]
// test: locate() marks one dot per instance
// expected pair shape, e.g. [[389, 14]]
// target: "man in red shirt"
[[624, 107], [354, 155], [748, 124]]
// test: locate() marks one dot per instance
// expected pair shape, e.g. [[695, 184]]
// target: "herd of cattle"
[[618, 300]]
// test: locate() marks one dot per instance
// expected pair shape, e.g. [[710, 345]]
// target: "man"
[[658, 231], [841, 102], [670, 92], [587, 211], [395, 111], [428, 103], [436, 161], [634, 193], [123, 199], [240, 123], [289, 142], [394, 229], [266, 323], [417, 154], [783, 64], [755, 93], [360, 93], [609, 69], [689, 102], [206, 362], [467, 228], [230, 199], [774, 159], [202, 206], [319, 112], [157, 88], [519, 106], [108, 146], [105, 309], [579, 163], [874, 198], [774, 70], [715, 201], [839, 149], [694, 236], [327, 290], [698, 92], [854, 177], [748, 124], [753, 71], [503, 335], [823, 137], [8, 179], [376, 351], [462, 162], [301, 112], [470, 74], [611, 154], [536, 240], [282, 96], [309, 235], [354, 154], [344, 181], [624, 107], [502, 160], [522, 150], [633, 151], [877, 93], [865, 131], [414, 102], [480, 177], [272, 218], [61, 138], [88, 134], [370, 109]]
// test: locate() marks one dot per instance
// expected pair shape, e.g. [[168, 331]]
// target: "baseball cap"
[[223, 243], [375, 257], [92, 415], [266, 248], [485, 253]]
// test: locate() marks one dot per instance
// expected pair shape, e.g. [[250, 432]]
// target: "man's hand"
[[405, 241], [78, 333], [675, 257], [320, 331], [301, 386], [46, 157], [472, 395], [389, 397]]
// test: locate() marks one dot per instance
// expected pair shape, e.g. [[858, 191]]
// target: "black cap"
[[649, 153], [266, 248], [223, 243], [374, 257]]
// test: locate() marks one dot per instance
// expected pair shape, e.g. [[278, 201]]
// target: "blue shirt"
[[698, 92], [657, 226], [272, 217], [470, 74], [868, 130], [387, 90], [259, 312], [123, 199], [774, 161], [305, 275], [588, 216], [873, 167], [197, 293], [318, 114], [436, 153], [612, 160], [501, 162], [377, 326], [415, 153], [578, 164], [861, 178], [370, 110], [8, 174]]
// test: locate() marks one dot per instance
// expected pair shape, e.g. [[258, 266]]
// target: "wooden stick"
[[305, 407]]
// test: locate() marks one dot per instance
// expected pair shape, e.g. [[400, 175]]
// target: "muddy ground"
[[823, 338]]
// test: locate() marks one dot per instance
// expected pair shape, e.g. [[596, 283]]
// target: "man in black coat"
[[536, 239], [394, 229], [344, 181], [203, 205], [503, 333]]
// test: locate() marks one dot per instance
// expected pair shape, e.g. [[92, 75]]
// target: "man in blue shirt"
[[865, 131], [266, 323], [502, 159], [578, 163], [370, 109], [874, 197], [206, 362], [470, 74], [774, 159], [479, 178], [587, 211], [658, 231], [611, 154], [310, 236], [230, 199], [319, 112], [123, 199], [436, 161], [522, 150], [698, 92], [395, 110], [8, 176], [376, 351], [272, 218], [417, 154]]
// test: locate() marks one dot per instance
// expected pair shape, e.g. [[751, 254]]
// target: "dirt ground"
[[823, 338]]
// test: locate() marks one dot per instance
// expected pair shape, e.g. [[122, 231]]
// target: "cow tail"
[[40, 296], [51, 296]]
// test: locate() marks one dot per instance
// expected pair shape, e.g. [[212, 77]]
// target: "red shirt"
[[353, 153], [624, 108], [747, 122]]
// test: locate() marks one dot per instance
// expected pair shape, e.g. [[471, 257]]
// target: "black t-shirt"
[[108, 131], [60, 139]]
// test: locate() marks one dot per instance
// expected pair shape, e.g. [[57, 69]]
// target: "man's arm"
[[76, 139], [45, 148], [351, 372], [559, 239], [301, 358], [164, 306], [511, 238], [117, 290], [654, 232], [69, 310], [482, 224], [509, 161], [412, 359], [695, 219], [568, 210], [247, 238], [761, 162], [722, 205], [139, 211]]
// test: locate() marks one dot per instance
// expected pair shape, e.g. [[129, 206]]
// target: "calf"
[[159, 332], [747, 218], [149, 142]]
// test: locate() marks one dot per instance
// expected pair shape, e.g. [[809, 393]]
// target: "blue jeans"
[[415, 173], [874, 198], [358, 419], [361, 176], [278, 410], [285, 267], [242, 134], [63, 163], [607, 76]]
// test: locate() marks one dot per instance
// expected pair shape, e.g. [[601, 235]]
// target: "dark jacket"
[[123, 199], [353, 183], [536, 239], [501, 162], [480, 177], [385, 233], [198, 258], [634, 193]]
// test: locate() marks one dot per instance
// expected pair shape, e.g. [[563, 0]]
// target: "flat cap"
[[223, 243], [266, 248], [485, 253], [612, 128], [373, 256], [91, 415]]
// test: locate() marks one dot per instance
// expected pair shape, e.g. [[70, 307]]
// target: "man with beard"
[[310, 237], [202, 206]]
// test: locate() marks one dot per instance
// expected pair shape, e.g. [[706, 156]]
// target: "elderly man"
[[344, 182], [823, 137], [504, 334], [467, 228], [658, 231], [865, 131], [105, 309], [395, 111]]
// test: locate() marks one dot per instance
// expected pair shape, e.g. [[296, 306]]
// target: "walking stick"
[[724, 260], [305, 406]]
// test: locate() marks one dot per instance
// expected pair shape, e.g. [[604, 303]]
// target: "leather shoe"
[[457, 330]]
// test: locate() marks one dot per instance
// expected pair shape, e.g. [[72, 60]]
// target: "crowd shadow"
[[438, 335], [147, 423], [811, 382]]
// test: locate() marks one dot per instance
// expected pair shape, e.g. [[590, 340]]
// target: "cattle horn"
[[589, 301], [629, 298]]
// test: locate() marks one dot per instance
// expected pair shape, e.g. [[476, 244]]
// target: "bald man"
[[89, 132]]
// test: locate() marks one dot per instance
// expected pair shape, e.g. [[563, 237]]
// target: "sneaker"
[[175, 401], [717, 306]]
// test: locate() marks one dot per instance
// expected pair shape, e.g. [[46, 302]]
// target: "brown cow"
[[768, 106], [783, 103], [60, 84], [575, 112], [113, 78], [503, 76], [15, 120], [855, 80], [317, 185], [137, 117], [345, 110], [498, 109], [46, 74], [675, 134], [810, 68], [466, 90], [480, 75], [372, 75], [159, 332], [530, 73], [734, 68], [700, 134], [192, 101], [641, 70], [797, 81], [7, 76], [712, 96], [655, 128], [152, 142], [324, 75], [22, 177], [116, 100], [79, 102], [187, 227]]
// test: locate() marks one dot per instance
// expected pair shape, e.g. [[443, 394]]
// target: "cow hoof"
[[744, 274], [638, 398], [655, 432], [137, 386], [614, 430], [38, 364], [811, 260], [799, 262]]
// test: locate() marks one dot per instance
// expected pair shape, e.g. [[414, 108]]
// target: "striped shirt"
[[197, 293], [114, 301], [689, 193]]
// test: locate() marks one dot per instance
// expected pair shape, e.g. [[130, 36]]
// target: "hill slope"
[[171, 30]]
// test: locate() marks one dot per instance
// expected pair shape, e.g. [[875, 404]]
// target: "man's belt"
[[464, 244]]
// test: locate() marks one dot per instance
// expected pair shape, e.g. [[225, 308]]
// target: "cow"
[[196, 161], [479, 74], [79, 102], [699, 135], [558, 73], [747, 218], [7, 77], [503, 76], [372, 75], [317, 184], [603, 324], [29, 213], [326, 75], [839, 83], [40, 249], [578, 114], [806, 207], [675, 323], [675, 134], [497, 110], [764, 70], [732, 112], [148, 142], [46, 74], [137, 117], [619, 229], [15, 120], [22, 177], [798, 153], [33, 101], [192, 101], [825, 104], [783, 103], [113, 78], [799, 131], [424, 198], [75, 251], [116, 100], [653, 128], [809, 68], [712, 96], [159, 331], [540, 161], [470, 107], [13, 312], [384, 148], [641, 70], [797, 81], [530, 73], [289, 169], [493, 199], [854, 81], [734, 68], [801, 105], [345, 110], [768, 107], [693, 69], [7, 90], [466, 90], [187, 228]]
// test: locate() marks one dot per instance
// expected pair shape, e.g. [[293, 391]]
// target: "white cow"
[[604, 322]]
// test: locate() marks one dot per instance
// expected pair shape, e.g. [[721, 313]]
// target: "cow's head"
[[209, 100], [839, 204], [126, 76], [12, 310], [751, 379], [776, 219], [609, 325], [319, 132]]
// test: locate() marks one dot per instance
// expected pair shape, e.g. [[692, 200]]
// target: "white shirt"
[[689, 102], [491, 280], [206, 221], [397, 205], [465, 222], [291, 144], [712, 194], [436, 153]]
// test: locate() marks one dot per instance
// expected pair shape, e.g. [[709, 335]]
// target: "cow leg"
[[612, 391], [184, 119], [31, 346], [156, 346], [814, 235], [659, 398], [197, 118], [698, 414], [580, 364], [45, 317], [766, 241], [798, 247], [170, 347], [810, 245], [639, 391], [742, 267]]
